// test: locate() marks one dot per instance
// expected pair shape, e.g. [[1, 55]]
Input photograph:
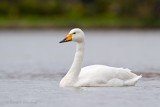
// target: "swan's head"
[[75, 35]]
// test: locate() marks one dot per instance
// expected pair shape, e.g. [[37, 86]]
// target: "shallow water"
[[33, 62]]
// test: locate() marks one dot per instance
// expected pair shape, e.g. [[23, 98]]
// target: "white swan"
[[94, 75]]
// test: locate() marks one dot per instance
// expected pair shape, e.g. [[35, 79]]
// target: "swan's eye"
[[74, 33]]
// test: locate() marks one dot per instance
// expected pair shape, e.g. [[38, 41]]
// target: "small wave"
[[59, 75]]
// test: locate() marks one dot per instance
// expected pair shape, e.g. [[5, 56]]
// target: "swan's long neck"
[[77, 63]]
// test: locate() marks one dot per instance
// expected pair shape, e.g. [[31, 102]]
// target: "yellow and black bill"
[[67, 39]]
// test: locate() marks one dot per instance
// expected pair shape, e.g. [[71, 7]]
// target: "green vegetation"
[[79, 13]]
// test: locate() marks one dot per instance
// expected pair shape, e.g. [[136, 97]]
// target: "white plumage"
[[94, 75], [101, 75]]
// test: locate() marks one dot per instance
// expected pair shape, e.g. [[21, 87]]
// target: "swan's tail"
[[132, 81]]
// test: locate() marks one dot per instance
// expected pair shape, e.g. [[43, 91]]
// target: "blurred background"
[[119, 33], [79, 13]]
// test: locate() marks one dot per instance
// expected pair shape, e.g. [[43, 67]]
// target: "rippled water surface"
[[33, 62]]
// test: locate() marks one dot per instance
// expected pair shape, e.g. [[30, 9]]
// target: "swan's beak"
[[67, 39]]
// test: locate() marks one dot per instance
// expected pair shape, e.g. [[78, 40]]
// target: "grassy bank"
[[87, 22], [79, 13]]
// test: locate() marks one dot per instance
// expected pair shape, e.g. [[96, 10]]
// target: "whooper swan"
[[94, 75]]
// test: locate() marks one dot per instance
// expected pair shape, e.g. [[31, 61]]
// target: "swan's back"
[[100, 74]]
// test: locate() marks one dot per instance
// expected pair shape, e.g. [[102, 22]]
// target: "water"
[[33, 62]]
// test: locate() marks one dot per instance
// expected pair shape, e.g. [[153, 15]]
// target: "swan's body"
[[95, 75]]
